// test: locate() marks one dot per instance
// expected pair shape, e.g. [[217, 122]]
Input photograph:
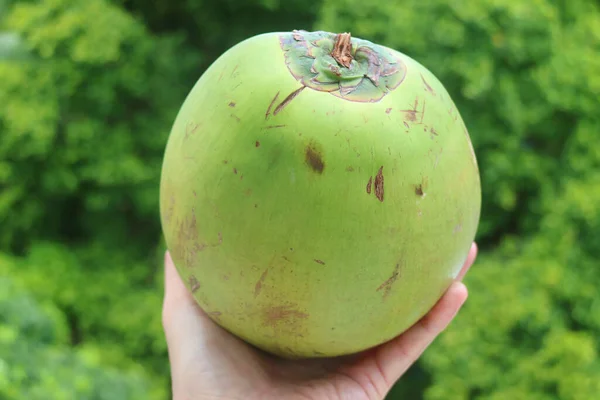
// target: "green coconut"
[[319, 192]]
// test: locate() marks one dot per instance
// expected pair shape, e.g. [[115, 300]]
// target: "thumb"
[[182, 318]]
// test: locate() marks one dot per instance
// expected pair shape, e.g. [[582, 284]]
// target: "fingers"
[[470, 260], [176, 293], [395, 357], [182, 318]]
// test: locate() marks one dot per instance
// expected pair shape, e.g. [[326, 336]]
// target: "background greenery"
[[89, 89]]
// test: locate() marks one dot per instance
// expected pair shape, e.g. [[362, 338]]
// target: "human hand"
[[207, 362]]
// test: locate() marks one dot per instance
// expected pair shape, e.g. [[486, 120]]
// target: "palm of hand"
[[209, 363]]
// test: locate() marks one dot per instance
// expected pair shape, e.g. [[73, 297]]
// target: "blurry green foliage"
[[83, 126], [37, 361], [88, 92], [82, 123]]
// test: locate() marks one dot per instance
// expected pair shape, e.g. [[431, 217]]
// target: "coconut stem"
[[342, 49]]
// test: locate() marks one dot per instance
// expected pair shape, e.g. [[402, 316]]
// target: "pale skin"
[[208, 363]]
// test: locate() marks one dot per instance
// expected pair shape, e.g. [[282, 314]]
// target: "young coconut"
[[319, 192]]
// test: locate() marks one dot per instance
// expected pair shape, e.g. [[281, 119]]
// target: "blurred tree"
[[82, 127], [37, 362], [216, 25], [525, 78], [85, 123]]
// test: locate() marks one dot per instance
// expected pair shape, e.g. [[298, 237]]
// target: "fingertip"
[[448, 306], [468, 262], [459, 292], [473, 252]]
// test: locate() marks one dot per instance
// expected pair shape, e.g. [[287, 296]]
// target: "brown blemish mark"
[[170, 209], [288, 100], [275, 126], [257, 144], [427, 87], [387, 285], [190, 129], [194, 284], [458, 228], [433, 131], [314, 159], [234, 69], [350, 169], [271, 105], [284, 314], [225, 161], [236, 117], [411, 114], [389, 110], [232, 104], [187, 246], [201, 246], [406, 125], [248, 192], [369, 185], [421, 188], [259, 284], [215, 314], [379, 184], [320, 262], [235, 171], [453, 113]]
